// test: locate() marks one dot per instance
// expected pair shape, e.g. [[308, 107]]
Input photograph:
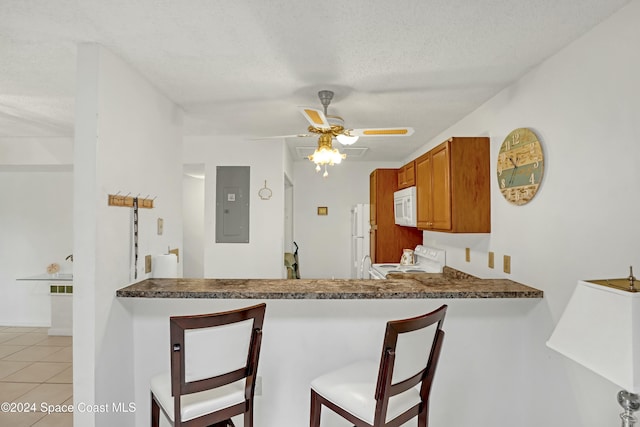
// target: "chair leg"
[[316, 408], [423, 419], [248, 415], [155, 412]]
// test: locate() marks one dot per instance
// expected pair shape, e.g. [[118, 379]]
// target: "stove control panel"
[[430, 254]]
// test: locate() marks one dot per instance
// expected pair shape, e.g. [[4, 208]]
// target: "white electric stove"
[[427, 260]]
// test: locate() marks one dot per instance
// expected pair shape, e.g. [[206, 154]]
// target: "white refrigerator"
[[360, 261]]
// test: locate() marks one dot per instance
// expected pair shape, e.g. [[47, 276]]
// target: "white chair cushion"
[[353, 389], [196, 404]]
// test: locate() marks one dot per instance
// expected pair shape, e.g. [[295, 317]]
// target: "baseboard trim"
[[24, 324], [67, 332]]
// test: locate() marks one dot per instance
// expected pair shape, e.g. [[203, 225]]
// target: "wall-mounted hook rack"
[[127, 201]]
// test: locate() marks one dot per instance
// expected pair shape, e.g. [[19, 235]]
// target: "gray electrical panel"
[[232, 204]]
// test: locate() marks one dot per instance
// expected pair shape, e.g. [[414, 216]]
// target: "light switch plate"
[[491, 258], [467, 254], [507, 264], [160, 226]]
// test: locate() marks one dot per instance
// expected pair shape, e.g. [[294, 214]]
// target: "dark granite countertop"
[[450, 284]]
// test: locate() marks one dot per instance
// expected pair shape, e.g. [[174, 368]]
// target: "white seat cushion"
[[196, 404], [353, 389]]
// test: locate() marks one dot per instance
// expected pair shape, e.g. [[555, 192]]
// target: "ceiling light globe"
[[347, 139]]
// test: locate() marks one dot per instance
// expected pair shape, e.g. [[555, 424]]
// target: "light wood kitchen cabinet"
[[407, 175], [386, 239], [453, 187]]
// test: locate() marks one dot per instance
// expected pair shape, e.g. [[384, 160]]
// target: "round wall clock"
[[520, 166]]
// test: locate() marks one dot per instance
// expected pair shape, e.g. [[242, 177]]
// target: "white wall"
[[193, 192], [262, 257], [127, 139], [584, 104], [324, 241], [288, 162], [37, 152], [36, 193], [36, 230]]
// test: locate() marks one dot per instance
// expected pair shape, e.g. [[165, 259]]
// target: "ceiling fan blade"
[[298, 135], [399, 131], [315, 117]]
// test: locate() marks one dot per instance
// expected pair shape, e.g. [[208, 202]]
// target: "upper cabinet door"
[[407, 175], [424, 193], [402, 179], [453, 190], [441, 188]]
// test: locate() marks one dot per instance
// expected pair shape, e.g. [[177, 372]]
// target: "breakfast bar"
[[449, 284], [315, 325]]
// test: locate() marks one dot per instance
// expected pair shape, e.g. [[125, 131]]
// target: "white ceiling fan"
[[329, 127], [323, 123]]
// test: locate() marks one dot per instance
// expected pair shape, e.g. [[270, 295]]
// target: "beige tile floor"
[[35, 369]]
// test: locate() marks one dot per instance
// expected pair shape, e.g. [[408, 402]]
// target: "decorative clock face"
[[520, 166]]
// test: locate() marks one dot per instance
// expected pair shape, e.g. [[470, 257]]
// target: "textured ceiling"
[[244, 66]]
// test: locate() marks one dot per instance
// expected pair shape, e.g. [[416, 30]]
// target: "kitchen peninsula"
[[450, 284], [315, 325]]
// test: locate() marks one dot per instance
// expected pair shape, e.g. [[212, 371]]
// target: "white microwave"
[[404, 206]]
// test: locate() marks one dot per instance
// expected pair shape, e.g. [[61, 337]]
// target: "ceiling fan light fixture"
[[347, 139], [325, 154]]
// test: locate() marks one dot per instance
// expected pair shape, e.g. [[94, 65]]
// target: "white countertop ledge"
[[56, 277]]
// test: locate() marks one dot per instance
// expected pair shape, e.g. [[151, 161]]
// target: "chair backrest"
[[212, 350], [410, 353]]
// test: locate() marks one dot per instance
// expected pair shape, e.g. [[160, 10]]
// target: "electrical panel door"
[[232, 204]]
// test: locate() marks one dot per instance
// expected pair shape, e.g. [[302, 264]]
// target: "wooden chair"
[[214, 360], [393, 391]]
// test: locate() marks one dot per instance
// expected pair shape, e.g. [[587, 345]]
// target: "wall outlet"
[[160, 226], [491, 257], [506, 264], [467, 254], [147, 264], [175, 251]]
